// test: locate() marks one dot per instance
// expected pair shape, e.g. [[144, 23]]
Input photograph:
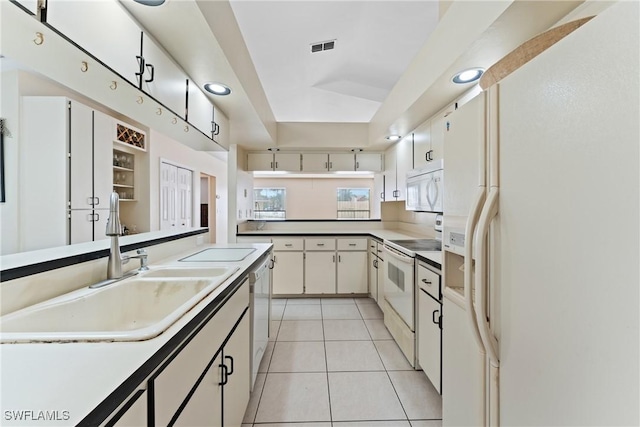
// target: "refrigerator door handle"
[[489, 211], [474, 213]]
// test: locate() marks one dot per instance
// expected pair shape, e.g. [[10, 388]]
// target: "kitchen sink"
[[135, 309]]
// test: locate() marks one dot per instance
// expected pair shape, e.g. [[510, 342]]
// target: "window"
[[269, 203], [353, 203]]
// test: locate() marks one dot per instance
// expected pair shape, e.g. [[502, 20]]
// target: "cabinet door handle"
[[357, 165], [272, 263], [426, 281], [152, 70], [216, 129], [339, 258], [330, 165], [274, 260], [334, 258], [231, 361], [225, 374], [438, 319], [271, 165], [97, 202], [276, 165], [375, 263], [141, 68], [326, 165]]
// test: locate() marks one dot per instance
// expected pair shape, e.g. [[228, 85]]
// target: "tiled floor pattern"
[[332, 363]]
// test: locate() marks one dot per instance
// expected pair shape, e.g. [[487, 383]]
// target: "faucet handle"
[[142, 254]]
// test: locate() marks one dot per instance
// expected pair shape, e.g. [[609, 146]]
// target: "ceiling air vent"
[[320, 46]]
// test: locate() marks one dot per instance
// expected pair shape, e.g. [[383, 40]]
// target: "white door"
[[287, 162], [320, 272], [204, 408], [341, 162], [81, 161], [168, 196], [288, 272], [103, 136], [81, 225], [169, 84], [103, 28], [429, 334], [259, 162], [352, 272], [370, 162], [315, 162], [237, 359], [185, 184], [200, 109]]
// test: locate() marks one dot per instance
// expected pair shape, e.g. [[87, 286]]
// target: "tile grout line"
[[326, 364]]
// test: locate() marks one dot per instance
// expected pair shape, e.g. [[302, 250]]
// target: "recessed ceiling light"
[[393, 137], [468, 76], [150, 2], [217, 88]]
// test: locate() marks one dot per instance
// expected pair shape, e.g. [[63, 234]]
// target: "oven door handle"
[[403, 258]]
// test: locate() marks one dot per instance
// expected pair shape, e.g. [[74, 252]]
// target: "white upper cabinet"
[[370, 162], [162, 78], [341, 162], [220, 128], [260, 161], [102, 28], [287, 162], [200, 112], [422, 145], [398, 161], [315, 162]]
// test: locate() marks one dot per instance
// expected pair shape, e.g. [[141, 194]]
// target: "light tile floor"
[[332, 363]]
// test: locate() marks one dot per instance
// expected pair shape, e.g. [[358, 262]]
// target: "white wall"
[[315, 198], [9, 110], [163, 147]]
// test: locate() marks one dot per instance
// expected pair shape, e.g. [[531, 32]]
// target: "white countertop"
[[382, 234], [77, 377]]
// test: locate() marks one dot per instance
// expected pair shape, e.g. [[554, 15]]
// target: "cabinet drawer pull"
[[230, 360], [437, 320], [288, 245], [352, 244], [320, 244], [225, 374], [426, 281]]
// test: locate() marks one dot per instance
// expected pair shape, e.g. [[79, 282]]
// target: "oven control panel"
[[456, 239]]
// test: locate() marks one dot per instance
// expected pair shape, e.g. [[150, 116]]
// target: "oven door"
[[399, 284]]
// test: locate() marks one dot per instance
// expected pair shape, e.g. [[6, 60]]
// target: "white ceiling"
[[374, 43]]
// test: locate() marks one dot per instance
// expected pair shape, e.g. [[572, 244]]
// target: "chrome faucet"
[[114, 229]]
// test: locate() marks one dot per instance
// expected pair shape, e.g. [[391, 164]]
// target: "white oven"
[[399, 289]]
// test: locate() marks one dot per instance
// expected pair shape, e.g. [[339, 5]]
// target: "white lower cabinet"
[[429, 338], [320, 272], [225, 368], [352, 272], [288, 272]]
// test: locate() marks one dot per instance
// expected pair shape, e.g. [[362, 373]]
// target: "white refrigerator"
[[550, 332]]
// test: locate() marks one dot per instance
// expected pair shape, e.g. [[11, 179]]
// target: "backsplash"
[[416, 222]]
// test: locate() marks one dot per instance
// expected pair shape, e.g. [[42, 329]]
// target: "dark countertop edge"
[[109, 405], [315, 220], [431, 262], [41, 267]]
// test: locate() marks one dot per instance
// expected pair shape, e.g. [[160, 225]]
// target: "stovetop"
[[419, 245]]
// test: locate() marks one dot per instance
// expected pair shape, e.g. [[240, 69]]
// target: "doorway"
[[208, 204]]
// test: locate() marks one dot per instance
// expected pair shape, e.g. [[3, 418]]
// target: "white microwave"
[[425, 188]]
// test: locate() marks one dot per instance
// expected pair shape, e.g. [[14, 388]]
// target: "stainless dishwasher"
[[260, 298]]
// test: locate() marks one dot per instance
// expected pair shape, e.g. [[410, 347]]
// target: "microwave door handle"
[[431, 202]]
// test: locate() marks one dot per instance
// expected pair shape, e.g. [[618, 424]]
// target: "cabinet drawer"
[[352, 244], [429, 281], [320, 244], [173, 384], [284, 244]]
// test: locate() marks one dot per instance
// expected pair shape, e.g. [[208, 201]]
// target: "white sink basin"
[[135, 309]]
